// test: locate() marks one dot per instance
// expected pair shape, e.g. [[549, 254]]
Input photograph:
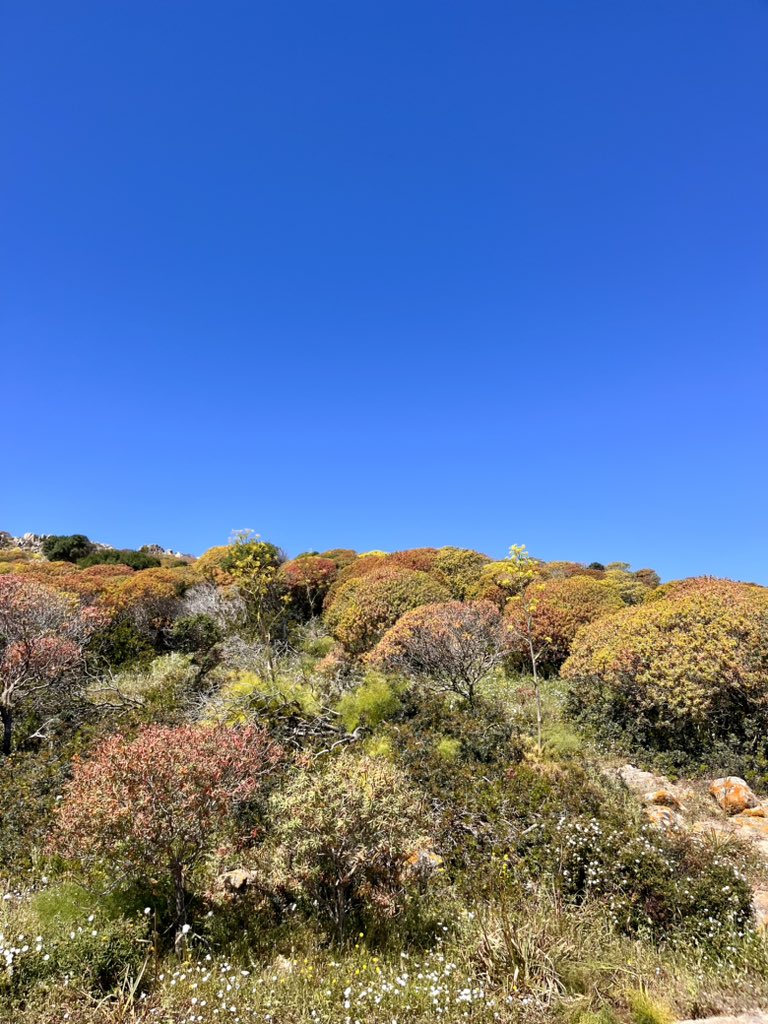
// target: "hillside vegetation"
[[376, 787]]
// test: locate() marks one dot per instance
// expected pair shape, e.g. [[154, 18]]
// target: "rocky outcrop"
[[733, 795]]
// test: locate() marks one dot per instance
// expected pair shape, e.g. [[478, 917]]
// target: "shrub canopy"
[[561, 606], [364, 607], [678, 672]]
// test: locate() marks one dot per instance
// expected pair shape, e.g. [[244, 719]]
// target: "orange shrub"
[[363, 608]]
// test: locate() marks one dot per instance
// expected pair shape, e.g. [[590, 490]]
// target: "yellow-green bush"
[[372, 703], [677, 672]]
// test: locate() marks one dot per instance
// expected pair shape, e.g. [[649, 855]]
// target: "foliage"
[[308, 579], [153, 806], [460, 569], [345, 834], [563, 605], [452, 645], [198, 632], [146, 599], [67, 548], [375, 701], [112, 556], [247, 697], [42, 636], [364, 607], [679, 672]]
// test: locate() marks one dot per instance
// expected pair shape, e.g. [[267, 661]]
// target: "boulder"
[[663, 817], [733, 794], [640, 782], [663, 798]]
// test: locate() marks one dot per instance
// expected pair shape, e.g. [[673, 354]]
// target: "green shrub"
[[192, 633], [373, 702], [246, 696], [137, 560], [67, 547]]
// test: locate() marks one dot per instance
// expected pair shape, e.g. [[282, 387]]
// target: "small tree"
[[254, 566], [451, 645], [42, 636], [155, 805], [522, 622]]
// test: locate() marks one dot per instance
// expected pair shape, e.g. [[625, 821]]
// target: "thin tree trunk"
[[6, 716], [180, 941], [537, 691]]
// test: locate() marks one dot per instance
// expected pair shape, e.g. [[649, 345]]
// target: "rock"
[[760, 907], [754, 812], [422, 864], [733, 794], [751, 1017], [640, 782], [238, 880], [663, 798], [282, 965], [7, 540], [663, 817]]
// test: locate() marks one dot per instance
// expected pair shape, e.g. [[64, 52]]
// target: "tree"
[[42, 636], [154, 806], [522, 624], [452, 646], [67, 548]]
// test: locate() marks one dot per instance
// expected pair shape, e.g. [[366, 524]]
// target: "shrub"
[[154, 806], [246, 697], [561, 606], [308, 579], [345, 833], [67, 548], [373, 702], [340, 556], [678, 672], [459, 761], [497, 583], [365, 607], [192, 633], [451, 646], [137, 560], [42, 637], [460, 569]]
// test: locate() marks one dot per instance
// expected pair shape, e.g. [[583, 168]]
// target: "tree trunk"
[[180, 941], [6, 716]]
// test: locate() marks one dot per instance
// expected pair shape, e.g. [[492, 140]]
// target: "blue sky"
[[388, 275]]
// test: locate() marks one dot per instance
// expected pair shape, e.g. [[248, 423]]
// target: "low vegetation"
[[371, 788]]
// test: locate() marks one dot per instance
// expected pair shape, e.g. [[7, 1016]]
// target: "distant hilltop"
[[34, 544]]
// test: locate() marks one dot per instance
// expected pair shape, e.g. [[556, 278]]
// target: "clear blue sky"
[[389, 274]]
